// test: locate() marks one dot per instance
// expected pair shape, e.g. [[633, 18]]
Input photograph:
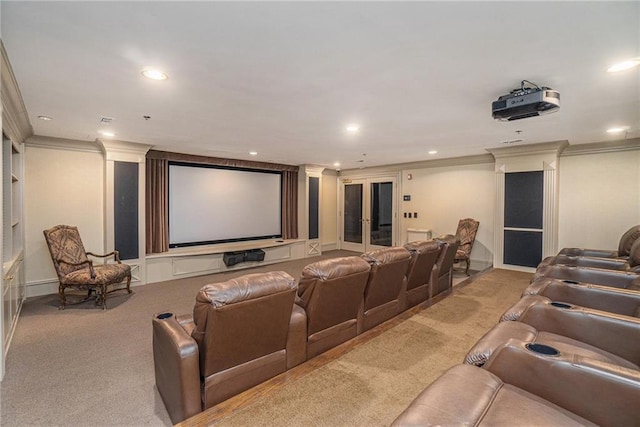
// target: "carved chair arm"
[[115, 253]]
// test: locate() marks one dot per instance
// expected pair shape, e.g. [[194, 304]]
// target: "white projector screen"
[[216, 204]]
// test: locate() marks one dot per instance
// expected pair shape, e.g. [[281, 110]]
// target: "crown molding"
[[602, 147], [15, 120], [65, 144], [438, 163], [124, 150], [553, 147]]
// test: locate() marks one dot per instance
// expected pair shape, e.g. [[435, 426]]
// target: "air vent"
[[511, 141], [105, 120]]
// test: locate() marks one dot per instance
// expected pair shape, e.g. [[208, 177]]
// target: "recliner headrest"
[[335, 267], [449, 239], [250, 286], [423, 246], [634, 255], [387, 255]]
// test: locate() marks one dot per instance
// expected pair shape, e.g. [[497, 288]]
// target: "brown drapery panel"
[[157, 207], [290, 204]]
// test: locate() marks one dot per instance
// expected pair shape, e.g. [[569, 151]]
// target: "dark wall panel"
[[523, 199], [522, 248], [125, 206], [314, 207]]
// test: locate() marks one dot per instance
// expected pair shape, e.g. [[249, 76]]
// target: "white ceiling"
[[285, 78]]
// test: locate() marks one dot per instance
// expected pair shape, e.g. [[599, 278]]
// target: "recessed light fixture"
[[433, 152], [336, 164], [617, 129], [253, 153], [154, 74], [624, 65], [353, 128], [45, 118], [106, 133]]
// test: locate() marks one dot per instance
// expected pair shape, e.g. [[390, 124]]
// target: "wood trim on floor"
[[249, 397]]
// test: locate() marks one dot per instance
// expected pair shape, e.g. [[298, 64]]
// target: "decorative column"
[[310, 208], [125, 180], [542, 157]]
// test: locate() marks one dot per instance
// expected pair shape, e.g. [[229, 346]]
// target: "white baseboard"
[[329, 247]]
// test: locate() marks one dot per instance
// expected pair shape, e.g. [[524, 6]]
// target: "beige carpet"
[[372, 384], [88, 367]]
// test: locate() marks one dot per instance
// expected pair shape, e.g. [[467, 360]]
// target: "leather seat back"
[[387, 285], [331, 292], [442, 276], [242, 319], [423, 257]]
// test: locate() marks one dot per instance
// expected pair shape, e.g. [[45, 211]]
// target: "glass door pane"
[[381, 219], [353, 213]]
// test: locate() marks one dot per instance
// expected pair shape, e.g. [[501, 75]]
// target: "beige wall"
[[599, 198], [329, 208], [442, 196], [61, 187]]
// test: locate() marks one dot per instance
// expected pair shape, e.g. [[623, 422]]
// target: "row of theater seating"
[[252, 328], [567, 353]]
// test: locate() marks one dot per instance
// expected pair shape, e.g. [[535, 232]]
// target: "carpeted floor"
[[88, 367]]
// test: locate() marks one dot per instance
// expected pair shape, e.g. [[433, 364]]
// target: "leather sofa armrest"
[[605, 298], [482, 350], [615, 333], [297, 338], [599, 276], [177, 367], [572, 382], [597, 253]]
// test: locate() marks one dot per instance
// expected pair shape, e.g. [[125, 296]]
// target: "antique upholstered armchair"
[[467, 230], [76, 270]]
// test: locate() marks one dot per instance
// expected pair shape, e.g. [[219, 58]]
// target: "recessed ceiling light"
[[45, 118], [353, 128], [253, 153], [154, 74], [336, 164], [106, 133], [433, 152], [625, 65], [617, 129]]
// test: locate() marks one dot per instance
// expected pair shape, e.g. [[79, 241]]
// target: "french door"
[[368, 214]]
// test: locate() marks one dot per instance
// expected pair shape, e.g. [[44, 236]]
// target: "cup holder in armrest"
[[542, 349], [163, 316], [560, 304], [570, 282]]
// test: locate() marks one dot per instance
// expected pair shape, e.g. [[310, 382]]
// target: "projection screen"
[[210, 204]]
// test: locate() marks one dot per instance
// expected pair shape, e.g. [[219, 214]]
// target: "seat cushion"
[[104, 275], [467, 395]]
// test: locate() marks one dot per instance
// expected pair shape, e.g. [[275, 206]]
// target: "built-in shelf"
[[13, 283]]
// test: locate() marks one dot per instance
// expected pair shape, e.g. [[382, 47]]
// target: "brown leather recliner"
[[332, 293], [605, 298], [632, 263], [524, 385], [442, 275], [624, 247], [599, 335], [243, 332], [423, 257], [386, 291]]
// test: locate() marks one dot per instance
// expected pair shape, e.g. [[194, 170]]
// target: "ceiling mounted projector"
[[526, 102]]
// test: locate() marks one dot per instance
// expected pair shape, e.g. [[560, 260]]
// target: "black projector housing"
[[523, 103]]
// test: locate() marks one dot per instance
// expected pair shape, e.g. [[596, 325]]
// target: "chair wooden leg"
[[466, 271], [63, 299], [129, 283]]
